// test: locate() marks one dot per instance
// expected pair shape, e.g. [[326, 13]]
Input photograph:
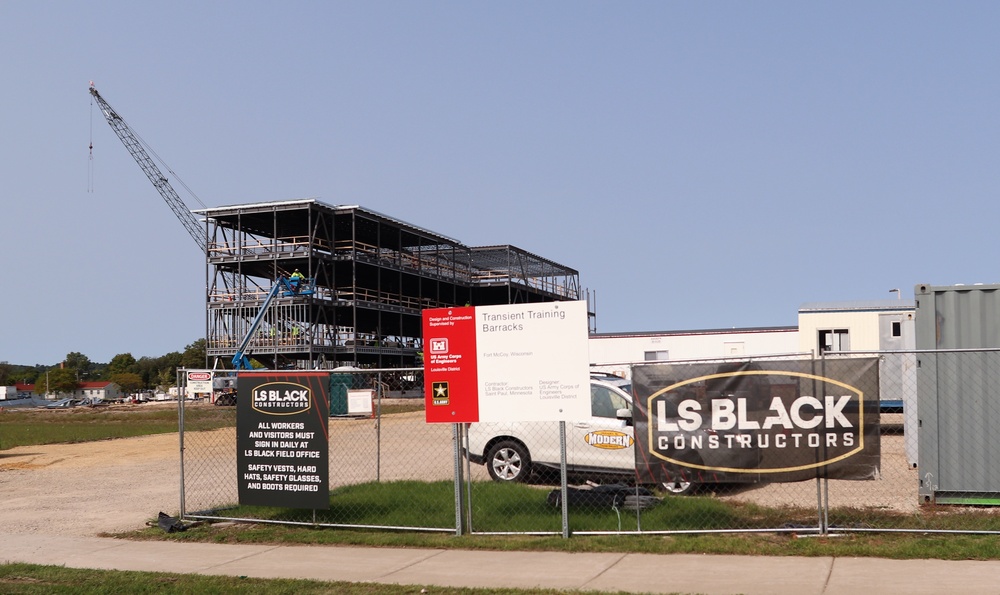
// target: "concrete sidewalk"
[[638, 573]]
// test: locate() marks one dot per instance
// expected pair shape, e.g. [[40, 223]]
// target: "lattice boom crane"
[[134, 146]]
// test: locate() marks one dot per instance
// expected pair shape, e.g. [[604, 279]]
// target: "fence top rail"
[[371, 370], [904, 351], [702, 359], [796, 354]]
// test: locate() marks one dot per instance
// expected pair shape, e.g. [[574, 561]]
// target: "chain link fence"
[[875, 441], [384, 461]]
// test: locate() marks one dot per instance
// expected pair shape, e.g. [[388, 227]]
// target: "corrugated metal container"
[[958, 316], [957, 399]]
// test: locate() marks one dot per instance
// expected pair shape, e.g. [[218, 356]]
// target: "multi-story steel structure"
[[372, 276]]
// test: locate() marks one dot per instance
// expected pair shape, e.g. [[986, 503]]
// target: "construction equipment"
[[286, 287], [135, 148]]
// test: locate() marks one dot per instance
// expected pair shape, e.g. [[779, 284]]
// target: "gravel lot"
[[86, 489]]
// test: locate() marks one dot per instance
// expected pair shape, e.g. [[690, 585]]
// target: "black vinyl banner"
[[760, 421], [282, 445]]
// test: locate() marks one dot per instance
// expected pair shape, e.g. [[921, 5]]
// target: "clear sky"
[[702, 164]]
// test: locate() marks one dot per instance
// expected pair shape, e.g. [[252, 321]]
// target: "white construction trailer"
[[613, 352]]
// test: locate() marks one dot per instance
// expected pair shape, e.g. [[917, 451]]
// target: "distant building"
[[96, 390], [862, 325], [609, 351], [100, 390]]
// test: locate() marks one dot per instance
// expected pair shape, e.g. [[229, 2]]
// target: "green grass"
[[513, 508], [28, 427], [30, 579]]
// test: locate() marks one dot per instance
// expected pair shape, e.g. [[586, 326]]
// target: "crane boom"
[[135, 148]]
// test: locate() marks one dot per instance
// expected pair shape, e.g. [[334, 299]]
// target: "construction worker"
[[296, 279]]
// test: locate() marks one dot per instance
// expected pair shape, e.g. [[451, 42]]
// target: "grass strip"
[[31, 579], [29, 427], [516, 507]]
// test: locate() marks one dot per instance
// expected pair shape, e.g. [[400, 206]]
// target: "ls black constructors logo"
[[768, 424], [281, 398]]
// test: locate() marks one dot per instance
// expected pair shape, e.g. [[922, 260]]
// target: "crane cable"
[[150, 150], [90, 162], [143, 142]]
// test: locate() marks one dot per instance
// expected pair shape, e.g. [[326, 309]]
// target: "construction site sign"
[[282, 445], [757, 421], [199, 381], [518, 362]]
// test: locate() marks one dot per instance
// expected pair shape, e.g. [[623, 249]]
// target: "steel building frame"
[[373, 276]]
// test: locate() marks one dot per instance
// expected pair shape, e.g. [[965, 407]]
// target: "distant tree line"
[[132, 375]]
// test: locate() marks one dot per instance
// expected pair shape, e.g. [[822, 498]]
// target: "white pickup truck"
[[600, 446]]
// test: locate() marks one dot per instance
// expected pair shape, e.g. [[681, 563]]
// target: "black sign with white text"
[[766, 421], [282, 445]]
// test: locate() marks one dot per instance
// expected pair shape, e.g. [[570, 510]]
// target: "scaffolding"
[[373, 276]]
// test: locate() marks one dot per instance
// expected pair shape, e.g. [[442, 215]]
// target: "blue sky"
[[702, 164]]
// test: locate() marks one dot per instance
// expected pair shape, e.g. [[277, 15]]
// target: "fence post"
[[456, 436], [180, 431], [378, 428], [562, 479], [822, 483]]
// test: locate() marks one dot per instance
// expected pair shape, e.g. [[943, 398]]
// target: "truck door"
[[603, 441]]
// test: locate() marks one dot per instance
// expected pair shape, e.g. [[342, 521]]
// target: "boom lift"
[[135, 148], [287, 287]]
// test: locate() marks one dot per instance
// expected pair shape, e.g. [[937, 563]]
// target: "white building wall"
[[617, 348], [862, 328], [859, 319], [109, 392]]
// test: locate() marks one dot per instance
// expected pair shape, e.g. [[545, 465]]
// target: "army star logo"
[[439, 393]]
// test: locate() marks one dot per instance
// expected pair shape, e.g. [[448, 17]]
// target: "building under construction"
[[369, 277]]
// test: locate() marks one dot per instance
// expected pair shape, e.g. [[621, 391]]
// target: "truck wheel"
[[508, 461], [679, 488]]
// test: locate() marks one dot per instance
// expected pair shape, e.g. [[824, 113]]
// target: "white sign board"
[[519, 362], [199, 381]]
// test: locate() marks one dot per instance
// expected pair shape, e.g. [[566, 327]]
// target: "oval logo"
[[608, 440], [199, 375], [756, 421], [281, 398]]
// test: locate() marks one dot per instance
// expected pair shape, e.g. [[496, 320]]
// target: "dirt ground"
[[118, 485], [107, 486], [89, 488]]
